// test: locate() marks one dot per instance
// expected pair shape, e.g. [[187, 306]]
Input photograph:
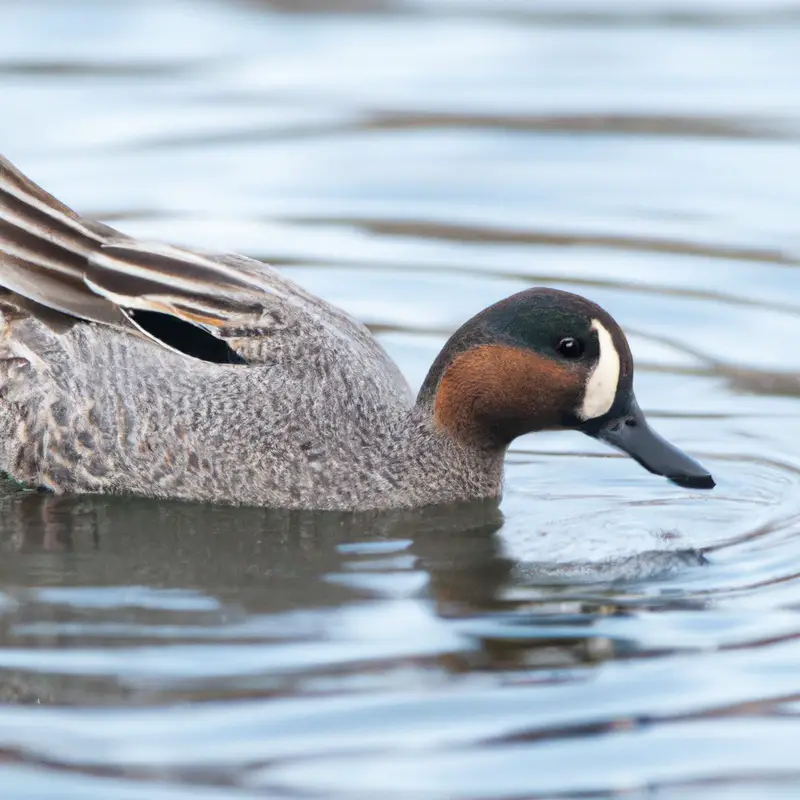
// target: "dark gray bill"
[[630, 433]]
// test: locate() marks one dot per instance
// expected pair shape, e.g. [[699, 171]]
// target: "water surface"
[[604, 633]]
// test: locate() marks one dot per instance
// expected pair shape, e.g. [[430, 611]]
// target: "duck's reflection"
[[263, 559], [268, 560], [256, 562]]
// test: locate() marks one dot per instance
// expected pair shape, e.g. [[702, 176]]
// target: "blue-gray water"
[[609, 635]]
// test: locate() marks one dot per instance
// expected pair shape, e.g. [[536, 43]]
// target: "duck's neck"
[[440, 468]]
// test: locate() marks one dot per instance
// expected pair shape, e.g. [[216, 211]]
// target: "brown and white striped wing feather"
[[53, 258]]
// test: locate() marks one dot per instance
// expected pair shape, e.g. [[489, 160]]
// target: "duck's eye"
[[570, 347]]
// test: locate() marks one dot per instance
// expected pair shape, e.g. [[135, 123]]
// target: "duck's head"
[[545, 359]]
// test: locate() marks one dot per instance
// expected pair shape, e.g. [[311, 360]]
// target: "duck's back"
[[138, 367]]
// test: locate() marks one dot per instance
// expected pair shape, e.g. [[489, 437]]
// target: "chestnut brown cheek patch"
[[497, 390]]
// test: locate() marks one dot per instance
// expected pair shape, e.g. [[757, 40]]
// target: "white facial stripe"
[[601, 388]]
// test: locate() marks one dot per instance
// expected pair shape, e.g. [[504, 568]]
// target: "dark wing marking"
[[51, 258]]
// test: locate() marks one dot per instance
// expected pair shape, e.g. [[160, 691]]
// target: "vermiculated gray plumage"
[[318, 417]]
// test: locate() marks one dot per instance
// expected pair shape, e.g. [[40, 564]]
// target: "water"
[[604, 634]]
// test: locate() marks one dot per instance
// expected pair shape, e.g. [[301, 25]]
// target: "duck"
[[140, 368]]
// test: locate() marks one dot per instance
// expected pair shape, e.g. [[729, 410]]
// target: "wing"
[[53, 260], [62, 268]]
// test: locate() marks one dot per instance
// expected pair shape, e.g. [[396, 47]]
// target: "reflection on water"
[[604, 633]]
